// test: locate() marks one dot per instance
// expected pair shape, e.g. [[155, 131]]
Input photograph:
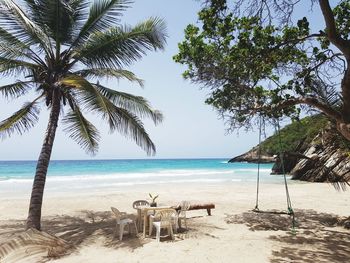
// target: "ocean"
[[96, 175]]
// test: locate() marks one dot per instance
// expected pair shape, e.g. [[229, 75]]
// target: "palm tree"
[[60, 47]]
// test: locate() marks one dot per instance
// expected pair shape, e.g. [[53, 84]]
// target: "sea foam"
[[102, 174]]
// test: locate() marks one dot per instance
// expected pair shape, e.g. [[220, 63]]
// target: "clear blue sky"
[[191, 129]]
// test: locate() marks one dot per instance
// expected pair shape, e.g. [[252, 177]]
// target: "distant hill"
[[293, 135]]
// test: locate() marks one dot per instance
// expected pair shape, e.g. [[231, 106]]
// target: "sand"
[[232, 234]]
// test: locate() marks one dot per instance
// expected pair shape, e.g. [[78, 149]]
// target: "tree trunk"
[[344, 129], [34, 214], [345, 91]]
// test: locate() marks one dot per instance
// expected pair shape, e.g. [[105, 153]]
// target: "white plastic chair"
[[184, 206], [138, 203], [166, 220], [136, 206], [122, 222]]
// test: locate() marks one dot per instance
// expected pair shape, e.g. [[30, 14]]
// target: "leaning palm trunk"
[[36, 200]]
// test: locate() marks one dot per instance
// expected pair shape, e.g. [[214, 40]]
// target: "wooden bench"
[[207, 206]]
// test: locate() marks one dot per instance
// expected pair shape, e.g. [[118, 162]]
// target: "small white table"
[[145, 210]]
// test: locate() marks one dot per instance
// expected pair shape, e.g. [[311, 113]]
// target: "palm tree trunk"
[[34, 214]]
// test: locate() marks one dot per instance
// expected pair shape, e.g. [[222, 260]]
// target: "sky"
[[191, 129]]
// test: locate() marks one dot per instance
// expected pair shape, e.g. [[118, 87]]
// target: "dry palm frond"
[[32, 245]]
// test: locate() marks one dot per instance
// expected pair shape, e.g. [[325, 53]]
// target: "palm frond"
[[327, 94], [81, 130], [339, 181], [154, 29], [13, 52], [16, 89], [91, 98], [14, 20], [21, 121], [72, 13], [136, 104], [75, 81], [118, 47], [108, 72], [103, 14], [130, 126], [119, 119], [16, 67], [56, 16], [9, 41], [340, 186], [80, 15]]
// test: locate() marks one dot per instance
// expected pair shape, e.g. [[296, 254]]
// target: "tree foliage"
[[292, 135], [257, 62]]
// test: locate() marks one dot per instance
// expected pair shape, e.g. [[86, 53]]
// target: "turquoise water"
[[99, 174]]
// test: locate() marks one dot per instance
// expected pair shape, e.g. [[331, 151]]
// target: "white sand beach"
[[232, 234], [78, 136]]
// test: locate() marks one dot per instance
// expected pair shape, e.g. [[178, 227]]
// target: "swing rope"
[[289, 203], [281, 154], [258, 175]]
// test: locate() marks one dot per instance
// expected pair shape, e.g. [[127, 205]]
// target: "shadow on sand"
[[319, 237], [84, 229], [87, 228]]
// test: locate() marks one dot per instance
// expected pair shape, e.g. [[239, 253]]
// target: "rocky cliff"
[[312, 151], [327, 159], [252, 156]]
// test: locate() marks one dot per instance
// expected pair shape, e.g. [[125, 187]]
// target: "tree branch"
[[311, 102], [331, 29], [330, 58], [297, 40]]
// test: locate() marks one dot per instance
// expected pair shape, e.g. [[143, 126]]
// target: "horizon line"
[[120, 159]]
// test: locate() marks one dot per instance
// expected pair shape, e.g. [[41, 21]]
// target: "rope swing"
[[280, 154], [256, 209]]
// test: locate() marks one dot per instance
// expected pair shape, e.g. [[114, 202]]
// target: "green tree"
[[60, 47], [256, 61]]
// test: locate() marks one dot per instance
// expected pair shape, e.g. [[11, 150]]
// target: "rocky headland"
[[312, 151]]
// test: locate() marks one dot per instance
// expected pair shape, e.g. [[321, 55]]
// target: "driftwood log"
[[207, 206]]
